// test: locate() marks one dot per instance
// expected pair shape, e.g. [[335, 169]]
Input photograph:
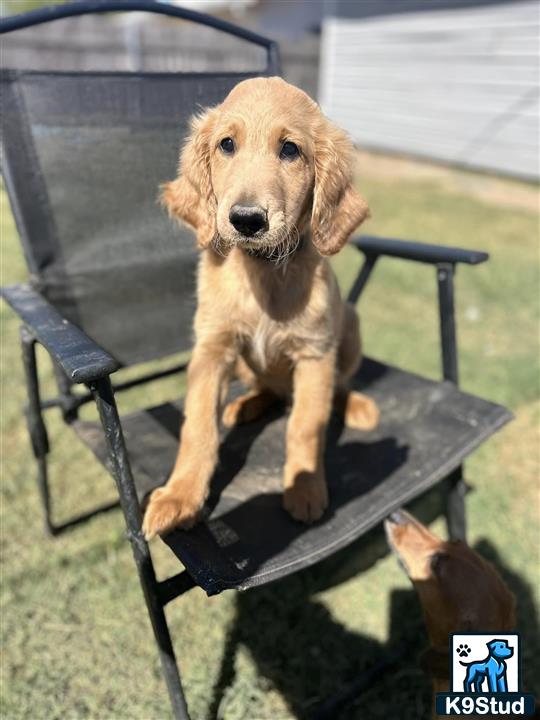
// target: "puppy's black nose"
[[247, 219]]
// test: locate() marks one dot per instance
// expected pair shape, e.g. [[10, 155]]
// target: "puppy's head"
[[263, 167], [458, 589]]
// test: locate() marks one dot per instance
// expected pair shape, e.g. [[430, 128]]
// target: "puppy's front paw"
[[305, 496], [169, 509], [361, 412]]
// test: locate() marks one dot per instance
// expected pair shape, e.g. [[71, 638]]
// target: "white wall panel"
[[458, 85]]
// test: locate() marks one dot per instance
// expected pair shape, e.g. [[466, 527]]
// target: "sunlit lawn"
[[75, 636]]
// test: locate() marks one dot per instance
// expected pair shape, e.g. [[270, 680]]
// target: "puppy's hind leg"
[[253, 404], [248, 407], [357, 410]]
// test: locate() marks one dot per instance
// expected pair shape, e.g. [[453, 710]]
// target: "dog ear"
[[474, 587], [190, 197], [338, 208]]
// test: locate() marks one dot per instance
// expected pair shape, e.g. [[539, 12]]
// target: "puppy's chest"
[[268, 345], [263, 343]]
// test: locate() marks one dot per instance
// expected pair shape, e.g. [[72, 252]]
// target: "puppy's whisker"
[[287, 245], [218, 245]]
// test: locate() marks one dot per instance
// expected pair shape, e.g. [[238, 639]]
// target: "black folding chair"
[[112, 285]]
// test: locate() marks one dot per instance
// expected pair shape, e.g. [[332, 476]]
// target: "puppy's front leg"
[[306, 496], [178, 503]]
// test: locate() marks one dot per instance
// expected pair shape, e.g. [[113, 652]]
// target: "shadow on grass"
[[326, 671], [527, 617], [317, 664]]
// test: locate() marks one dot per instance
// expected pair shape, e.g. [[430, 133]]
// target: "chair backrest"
[[84, 155]]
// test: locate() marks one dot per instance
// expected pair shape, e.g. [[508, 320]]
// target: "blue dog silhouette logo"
[[485, 677], [491, 670]]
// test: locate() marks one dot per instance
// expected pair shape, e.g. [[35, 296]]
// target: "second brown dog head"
[[458, 589], [263, 166]]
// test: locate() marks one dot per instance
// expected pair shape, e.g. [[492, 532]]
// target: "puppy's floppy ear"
[[338, 208], [190, 197]]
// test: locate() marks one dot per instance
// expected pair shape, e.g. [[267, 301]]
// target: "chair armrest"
[[78, 356], [421, 252]]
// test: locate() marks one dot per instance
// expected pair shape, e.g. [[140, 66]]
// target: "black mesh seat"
[[247, 539], [112, 284]]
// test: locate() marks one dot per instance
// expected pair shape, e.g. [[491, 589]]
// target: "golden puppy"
[[458, 590], [265, 180]]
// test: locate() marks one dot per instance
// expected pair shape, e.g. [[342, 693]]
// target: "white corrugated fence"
[[459, 85]]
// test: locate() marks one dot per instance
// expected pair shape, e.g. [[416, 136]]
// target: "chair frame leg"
[[37, 431], [108, 413], [106, 404], [36, 424], [455, 506], [455, 509]]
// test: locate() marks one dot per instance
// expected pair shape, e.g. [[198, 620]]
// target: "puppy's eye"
[[289, 151], [227, 145]]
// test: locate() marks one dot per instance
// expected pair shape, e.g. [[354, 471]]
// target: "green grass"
[[75, 636]]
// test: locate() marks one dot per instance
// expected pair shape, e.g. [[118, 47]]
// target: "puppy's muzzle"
[[248, 219]]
